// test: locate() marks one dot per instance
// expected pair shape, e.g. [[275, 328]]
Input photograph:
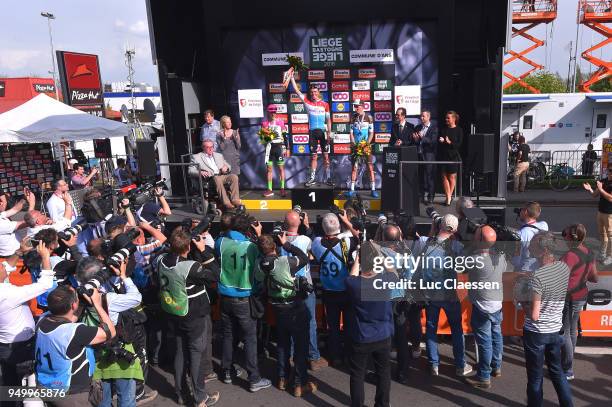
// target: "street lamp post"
[[50, 17]]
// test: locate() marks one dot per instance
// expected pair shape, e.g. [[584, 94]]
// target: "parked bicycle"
[[536, 174]]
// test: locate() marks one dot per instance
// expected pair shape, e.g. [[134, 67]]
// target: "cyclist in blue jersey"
[[362, 130], [319, 122]]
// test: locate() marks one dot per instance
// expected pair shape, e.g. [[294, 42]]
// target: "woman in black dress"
[[449, 144]]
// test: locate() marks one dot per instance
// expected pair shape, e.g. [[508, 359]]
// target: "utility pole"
[[50, 17], [129, 56]]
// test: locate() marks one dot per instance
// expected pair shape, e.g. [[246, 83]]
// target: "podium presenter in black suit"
[[425, 137], [402, 130]]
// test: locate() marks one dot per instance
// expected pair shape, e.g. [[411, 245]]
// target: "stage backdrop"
[[253, 58]]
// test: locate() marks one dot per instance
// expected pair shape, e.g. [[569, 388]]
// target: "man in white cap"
[[362, 130]]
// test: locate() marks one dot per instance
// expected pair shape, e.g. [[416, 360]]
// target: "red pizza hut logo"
[[341, 117], [294, 98], [340, 96], [243, 102], [366, 73], [299, 128], [342, 73], [342, 148], [382, 105], [361, 94], [339, 86], [316, 75], [300, 139], [382, 138], [276, 88], [383, 116]]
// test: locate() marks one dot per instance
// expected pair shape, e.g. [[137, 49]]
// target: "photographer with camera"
[[294, 221], [286, 291], [16, 321], [117, 363], [239, 306], [185, 301], [79, 180], [9, 242], [530, 226], [36, 221], [63, 268], [153, 210], [334, 256], [64, 358], [434, 272]]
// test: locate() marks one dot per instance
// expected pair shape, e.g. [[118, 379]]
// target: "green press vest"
[[280, 282], [172, 287]]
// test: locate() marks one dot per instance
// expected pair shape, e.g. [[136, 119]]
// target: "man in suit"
[[425, 137], [213, 165], [402, 130]]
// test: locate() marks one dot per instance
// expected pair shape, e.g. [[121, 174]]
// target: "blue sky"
[[106, 27]]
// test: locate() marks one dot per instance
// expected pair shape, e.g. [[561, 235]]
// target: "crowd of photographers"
[[105, 289]]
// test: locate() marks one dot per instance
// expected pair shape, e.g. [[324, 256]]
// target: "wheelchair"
[[211, 202]]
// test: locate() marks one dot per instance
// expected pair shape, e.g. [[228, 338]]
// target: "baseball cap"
[[113, 222]]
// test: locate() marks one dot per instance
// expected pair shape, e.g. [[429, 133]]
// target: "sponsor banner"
[[383, 116], [299, 128], [383, 95], [342, 73], [342, 148], [339, 86], [303, 87], [378, 148], [340, 106], [340, 127], [276, 88], [279, 58], [361, 85], [361, 94], [283, 116], [342, 138], [322, 86], [81, 83], [281, 107], [341, 117], [296, 108], [294, 98], [384, 56], [382, 127], [325, 96], [250, 103], [382, 84], [299, 118], [366, 73], [44, 88], [340, 96], [277, 98], [408, 97], [366, 106], [382, 138], [301, 149], [383, 105], [300, 139], [316, 75], [328, 51]]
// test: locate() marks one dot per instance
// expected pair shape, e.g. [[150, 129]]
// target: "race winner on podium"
[[362, 133]]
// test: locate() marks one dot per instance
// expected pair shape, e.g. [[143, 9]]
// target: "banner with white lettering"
[[250, 103], [328, 51], [380, 56], [279, 58], [408, 97]]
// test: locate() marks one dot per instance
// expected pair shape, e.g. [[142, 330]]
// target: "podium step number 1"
[[313, 198]]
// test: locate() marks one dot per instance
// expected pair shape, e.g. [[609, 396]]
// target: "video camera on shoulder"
[[141, 195]]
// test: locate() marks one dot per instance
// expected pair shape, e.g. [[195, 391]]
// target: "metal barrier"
[[458, 184], [581, 164]]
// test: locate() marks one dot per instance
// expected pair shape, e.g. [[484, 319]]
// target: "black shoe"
[[430, 200], [402, 378], [227, 376]]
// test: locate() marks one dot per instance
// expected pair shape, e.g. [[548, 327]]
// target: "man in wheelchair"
[[215, 170]]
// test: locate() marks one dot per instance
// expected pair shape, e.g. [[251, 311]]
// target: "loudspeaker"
[[146, 158], [480, 153], [400, 182], [102, 148], [484, 85]]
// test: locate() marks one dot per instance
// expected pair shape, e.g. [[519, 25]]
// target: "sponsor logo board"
[[340, 127], [361, 85], [300, 138], [294, 98], [316, 75], [328, 51], [361, 94], [378, 148], [382, 127], [341, 117], [342, 138], [382, 105], [297, 108], [281, 107], [276, 88], [339, 86], [383, 116], [342, 73], [366, 73], [279, 58], [301, 149], [299, 128], [383, 95], [340, 96], [299, 118], [342, 148], [278, 98], [282, 116], [382, 84], [322, 86], [357, 56], [340, 107], [366, 106], [382, 138]]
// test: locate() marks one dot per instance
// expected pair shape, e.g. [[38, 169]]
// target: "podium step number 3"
[[313, 198]]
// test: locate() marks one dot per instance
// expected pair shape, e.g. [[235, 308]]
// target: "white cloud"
[[139, 27], [119, 23], [14, 59]]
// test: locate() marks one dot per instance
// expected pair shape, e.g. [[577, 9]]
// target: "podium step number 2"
[[313, 198]]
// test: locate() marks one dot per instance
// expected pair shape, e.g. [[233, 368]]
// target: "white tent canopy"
[[46, 120]]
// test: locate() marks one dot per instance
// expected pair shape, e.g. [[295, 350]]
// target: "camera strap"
[[106, 330]]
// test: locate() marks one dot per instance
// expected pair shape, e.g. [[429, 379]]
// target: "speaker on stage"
[[146, 158], [102, 148], [480, 153], [400, 183]]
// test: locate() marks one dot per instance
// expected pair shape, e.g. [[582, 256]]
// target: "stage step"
[[267, 204]]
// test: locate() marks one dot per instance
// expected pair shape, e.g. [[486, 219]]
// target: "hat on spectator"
[[113, 222]]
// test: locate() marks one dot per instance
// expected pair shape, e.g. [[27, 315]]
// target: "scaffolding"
[[528, 14], [596, 14]]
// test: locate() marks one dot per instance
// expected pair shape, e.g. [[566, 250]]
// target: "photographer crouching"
[[286, 292], [117, 363]]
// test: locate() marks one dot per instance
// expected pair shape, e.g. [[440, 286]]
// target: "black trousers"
[[189, 346], [360, 353], [429, 174], [11, 355], [406, 315], [207, 365]]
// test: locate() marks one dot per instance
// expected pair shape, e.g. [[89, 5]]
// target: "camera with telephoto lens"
[[202, 227], [303, 286], [116, 352], [336, 210], [66, 234], [278, 228], [435, 216], [123, 246], [94, 283]]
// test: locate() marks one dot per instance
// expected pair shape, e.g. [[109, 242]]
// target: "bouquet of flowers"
[[362, 150], [266, 135], [297, 64]]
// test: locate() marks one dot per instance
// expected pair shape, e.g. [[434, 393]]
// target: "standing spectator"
[[79, 180], [56, 205], [228, 144], [530, 226], [370, 327], [426, 138], [543, 321], [604, 215], [449, 144], [210, 128], [589, 158], [522, 165], [581, 262], [487, 308], [513, 144], [122, 174]]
